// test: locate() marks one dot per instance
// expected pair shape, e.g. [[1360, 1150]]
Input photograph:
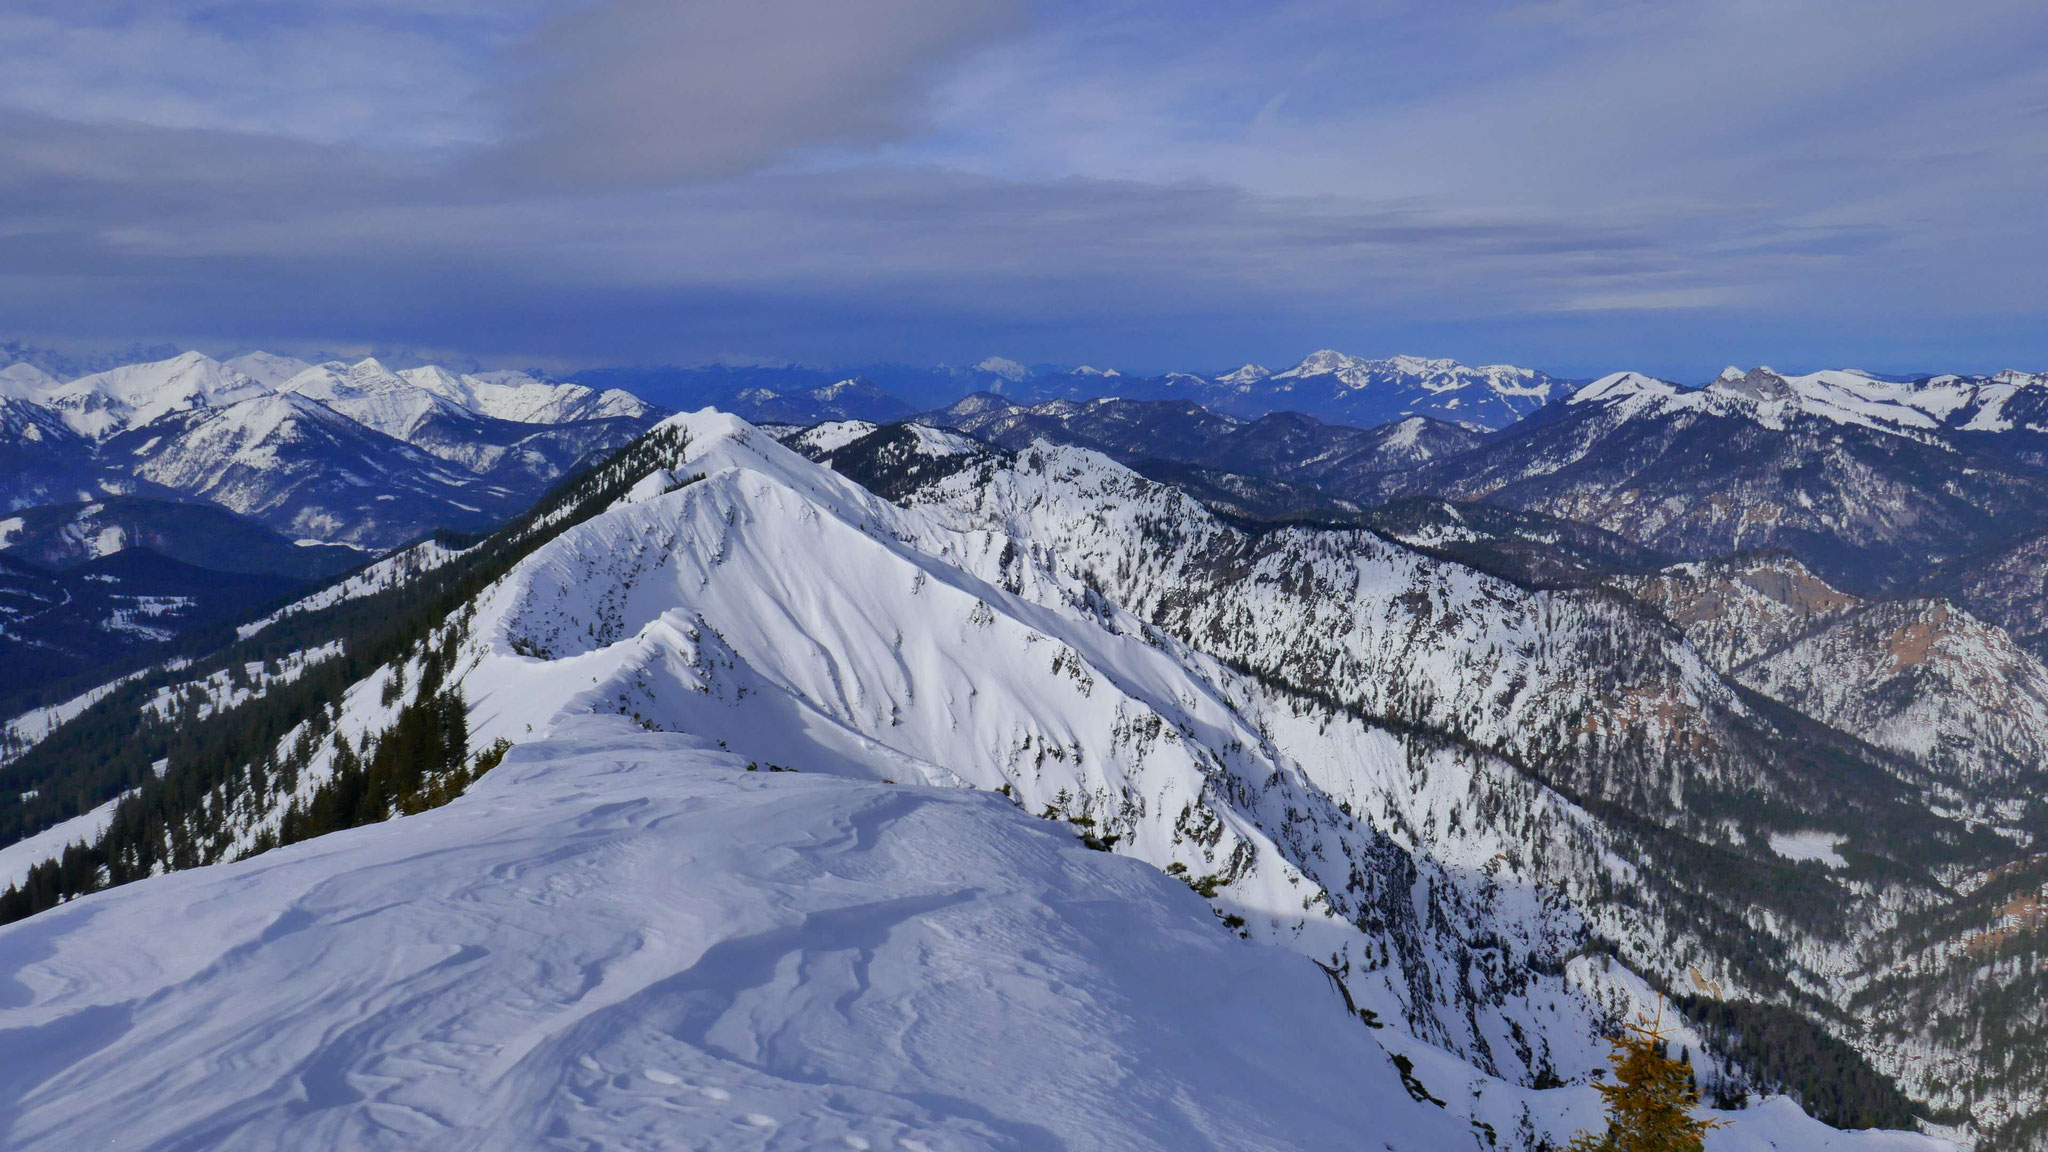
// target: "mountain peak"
[[1622, 386], [1756, 384], [25, 380], [1007, 369], [266, 368]]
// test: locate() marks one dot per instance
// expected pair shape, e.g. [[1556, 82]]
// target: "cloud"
[[1134, 183], [650, 91]]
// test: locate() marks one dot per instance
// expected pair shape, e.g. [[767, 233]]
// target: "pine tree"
[[1650, 1103]]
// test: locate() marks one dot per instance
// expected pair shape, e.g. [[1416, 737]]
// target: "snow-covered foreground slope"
[[626, 940]]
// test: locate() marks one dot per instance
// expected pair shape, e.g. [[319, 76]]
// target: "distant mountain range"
[[262, 468], [1329, 385]]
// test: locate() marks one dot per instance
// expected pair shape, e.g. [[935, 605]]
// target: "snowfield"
[[627, 940]]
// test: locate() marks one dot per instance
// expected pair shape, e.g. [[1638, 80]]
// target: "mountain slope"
[[1863, 497], [457, 450], [41, 459], [694, 604], [107, 615], [1928, 680], [201, 535], [1287, 447], [1327, 385], [1917, 676], [308, 471], [106, 403]]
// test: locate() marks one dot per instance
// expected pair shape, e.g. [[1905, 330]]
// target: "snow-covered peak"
[[840, 388], [25, 381], [524, 398], [1622, 386], [1007, 369], [372, 396], [831, 436], [1091, 370], [1756, 384], [441, 382], [1249, 374], [1322, 362], [266, 368], [104, 403], [1435, 377]]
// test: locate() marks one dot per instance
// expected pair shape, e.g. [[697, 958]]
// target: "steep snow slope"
[[923, 653], [626, 940], [1447, 888]]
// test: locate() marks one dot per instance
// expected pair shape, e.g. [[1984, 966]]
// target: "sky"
[[1575, 185]]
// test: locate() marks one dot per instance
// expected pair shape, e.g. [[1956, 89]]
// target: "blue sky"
[[1578, 186]]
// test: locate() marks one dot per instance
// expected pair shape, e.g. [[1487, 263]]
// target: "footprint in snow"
[[660, 1077]]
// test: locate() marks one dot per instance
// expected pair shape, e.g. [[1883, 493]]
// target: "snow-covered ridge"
[[1959, 403], [104, 403], [387, 573], [1436, 375], [31, 728], [336, 452]]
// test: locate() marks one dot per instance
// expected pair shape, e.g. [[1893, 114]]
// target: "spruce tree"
[[1650, 1102]]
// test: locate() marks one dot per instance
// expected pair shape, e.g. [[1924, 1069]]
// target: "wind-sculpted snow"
[[626, 940]]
